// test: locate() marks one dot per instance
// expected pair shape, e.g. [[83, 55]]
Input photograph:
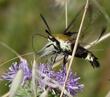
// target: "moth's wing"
[[94, 24], [72, 22], [38, 41], [41, 47], [73, 26]]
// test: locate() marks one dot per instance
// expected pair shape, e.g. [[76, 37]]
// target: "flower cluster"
[[48, 75], [49, 79], [14, 69]]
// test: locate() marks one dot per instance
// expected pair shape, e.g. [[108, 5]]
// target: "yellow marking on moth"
[[62, 37]]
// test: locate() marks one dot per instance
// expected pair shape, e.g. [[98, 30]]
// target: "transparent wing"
[[44, 52], [39, 40], [94, 24], [43, 49]]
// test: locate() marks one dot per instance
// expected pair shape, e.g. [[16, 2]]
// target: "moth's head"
[[52, 38]]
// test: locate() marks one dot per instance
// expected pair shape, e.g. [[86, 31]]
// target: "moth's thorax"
[[64, 42], [65, 45]]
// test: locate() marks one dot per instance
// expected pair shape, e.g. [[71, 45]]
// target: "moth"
[[62, 44]]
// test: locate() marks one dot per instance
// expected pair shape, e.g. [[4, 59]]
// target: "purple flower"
[[14, 69], [47, 78], [48, 75], [72, 84]]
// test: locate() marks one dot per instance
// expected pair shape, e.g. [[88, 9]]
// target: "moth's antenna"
[[71, 23], [45, 22], [48, 32]]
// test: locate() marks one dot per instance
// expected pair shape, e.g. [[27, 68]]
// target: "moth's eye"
[[51, 38]]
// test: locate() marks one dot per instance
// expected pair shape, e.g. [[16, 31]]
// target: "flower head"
[[72, 84], [53, 79], [14, 69], [47, 79]]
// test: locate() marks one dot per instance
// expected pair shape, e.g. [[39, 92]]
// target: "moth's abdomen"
[[92, 59], [87, 55]]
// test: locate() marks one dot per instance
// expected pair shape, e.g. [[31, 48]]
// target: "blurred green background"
[[19, 19]]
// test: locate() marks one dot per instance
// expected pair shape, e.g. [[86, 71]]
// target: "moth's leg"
[[55, 57], [65, 60]]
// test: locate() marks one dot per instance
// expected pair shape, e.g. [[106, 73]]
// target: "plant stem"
[[75, 47], [66, 13]]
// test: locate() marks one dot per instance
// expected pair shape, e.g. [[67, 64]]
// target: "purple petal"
[[15, 67]]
